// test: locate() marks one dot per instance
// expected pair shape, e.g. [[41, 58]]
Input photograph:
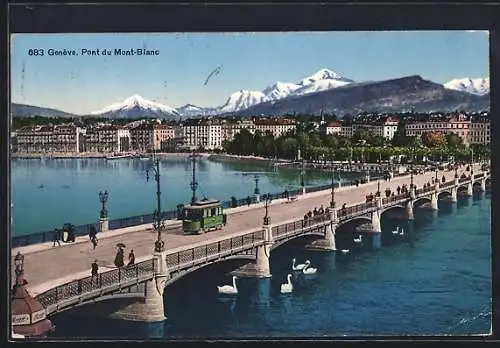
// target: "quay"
[[59, 277]]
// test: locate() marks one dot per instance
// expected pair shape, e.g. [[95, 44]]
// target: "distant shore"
[[78, 155], [244, 159]]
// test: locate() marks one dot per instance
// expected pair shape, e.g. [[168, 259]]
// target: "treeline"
[[361, 147]]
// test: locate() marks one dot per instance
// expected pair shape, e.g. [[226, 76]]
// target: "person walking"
[[119, 258], [57, 237], [95, 272], [131, 258], [94, 241]]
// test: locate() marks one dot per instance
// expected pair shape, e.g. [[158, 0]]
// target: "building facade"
[[276, 126], [47, 139]]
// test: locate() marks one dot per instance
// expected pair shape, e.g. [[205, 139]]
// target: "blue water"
[[71, 186], [434, 280]]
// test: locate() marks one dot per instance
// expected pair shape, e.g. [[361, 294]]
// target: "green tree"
[[453, 141]]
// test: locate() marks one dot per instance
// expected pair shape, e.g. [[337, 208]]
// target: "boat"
[[116, 156]]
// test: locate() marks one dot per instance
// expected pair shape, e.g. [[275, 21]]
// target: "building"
[[331, 128], [385, 127], [107, 138], [162, 134], [346, 130], [233, 128], [208, 135], [48, 138], [276, 126], [479, 131]]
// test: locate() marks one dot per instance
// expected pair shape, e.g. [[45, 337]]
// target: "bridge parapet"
[[290, 228], [424, 190], [461, 180], [354, 210], [61, 295], [447, 184], [205, 253]]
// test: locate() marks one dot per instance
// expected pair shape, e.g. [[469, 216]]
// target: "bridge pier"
[[409, 210], [303, 190], [483, 185], [262, 268], [150, 308], [103, 224], [434, 201], [469, 189], [454, 194]]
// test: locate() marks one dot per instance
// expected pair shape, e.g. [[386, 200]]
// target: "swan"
[[308, 270], [345, 251], [228, 289], [402, 232], [287, 287], [359, 239], [396, 231], [298, 267]]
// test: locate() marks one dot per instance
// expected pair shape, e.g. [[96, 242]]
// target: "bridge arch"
[[391, 208], [356, 221], [444, 193], [316, 234], [421, 201], [239, 260]]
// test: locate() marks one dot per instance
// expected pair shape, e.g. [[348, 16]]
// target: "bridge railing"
[[88, 284], [296, 225], [213, 250], [395, 198], [463, 180], [477, 176], [355, 209], [447, 184], [424, 190]]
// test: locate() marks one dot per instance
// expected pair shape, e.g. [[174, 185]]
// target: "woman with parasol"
[[119, 255]]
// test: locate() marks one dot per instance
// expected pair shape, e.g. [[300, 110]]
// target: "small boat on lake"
[[119, 156]]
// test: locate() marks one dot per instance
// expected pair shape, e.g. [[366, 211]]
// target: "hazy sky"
[[81, 84]]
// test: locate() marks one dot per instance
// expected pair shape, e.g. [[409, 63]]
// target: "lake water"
[[50, 192]]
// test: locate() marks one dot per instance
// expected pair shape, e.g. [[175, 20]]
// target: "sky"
[[252, 61]]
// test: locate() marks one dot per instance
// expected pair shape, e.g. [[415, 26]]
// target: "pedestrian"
[[95, 271], [315, 211], [57, 237], [92, 232], [119, 258], [131, 258], [249, 200], [94, 241]]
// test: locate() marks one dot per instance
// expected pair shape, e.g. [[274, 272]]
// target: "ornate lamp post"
[[332, 201], [267, 201], [193, 184], [456, 171], [302, 183], [378, 187], [256, 190], [103, 216], [28, 315], [103, 198], [158, 223], [411, 167]]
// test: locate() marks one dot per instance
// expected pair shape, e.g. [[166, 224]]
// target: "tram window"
[[214, 212]]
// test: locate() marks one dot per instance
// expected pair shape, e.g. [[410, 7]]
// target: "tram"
[[203, 216]]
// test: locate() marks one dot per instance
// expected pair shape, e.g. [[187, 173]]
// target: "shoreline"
[[99, 155]]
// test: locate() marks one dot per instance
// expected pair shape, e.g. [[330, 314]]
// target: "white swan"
[[228, 289], [402, 232], [287, 287], [298, 267], [396, 231], [309, 270], [359, 239], [345, 251]]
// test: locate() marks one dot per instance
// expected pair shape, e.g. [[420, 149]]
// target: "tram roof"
[[204, 203]]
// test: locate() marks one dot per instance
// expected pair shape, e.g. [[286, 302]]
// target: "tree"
[[453, 141], [433, 139]]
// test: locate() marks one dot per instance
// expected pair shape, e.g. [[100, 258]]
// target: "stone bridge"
[[145, 281]]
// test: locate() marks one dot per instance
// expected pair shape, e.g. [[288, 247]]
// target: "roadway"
[[47, 266]]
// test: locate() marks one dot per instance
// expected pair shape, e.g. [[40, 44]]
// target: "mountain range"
[[324, 90]]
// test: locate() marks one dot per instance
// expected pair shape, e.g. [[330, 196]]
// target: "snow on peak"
[[279, 90], [137, 102], [323, 74], [242, 99], [479, 86]]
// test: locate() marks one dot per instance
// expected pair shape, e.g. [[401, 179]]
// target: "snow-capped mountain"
[[190, 110], [479, 86], [242, 99], [320, 85], [323, 74], [135, 107], [279, 90]]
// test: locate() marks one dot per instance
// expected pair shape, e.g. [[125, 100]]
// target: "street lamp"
[[158, 223], [193, 184], [256, 190], [332, 201], [378, 187], [302, 176], [411, 167], [103, 198], [19, 263], [267, 201], [456, 171]]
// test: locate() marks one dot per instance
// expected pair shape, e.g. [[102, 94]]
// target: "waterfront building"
[[206, 134], [384, 127], [108, 138], [233, 128], [346, 130], [276, 126], [479, 132], [331, 128], [49, 138]]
